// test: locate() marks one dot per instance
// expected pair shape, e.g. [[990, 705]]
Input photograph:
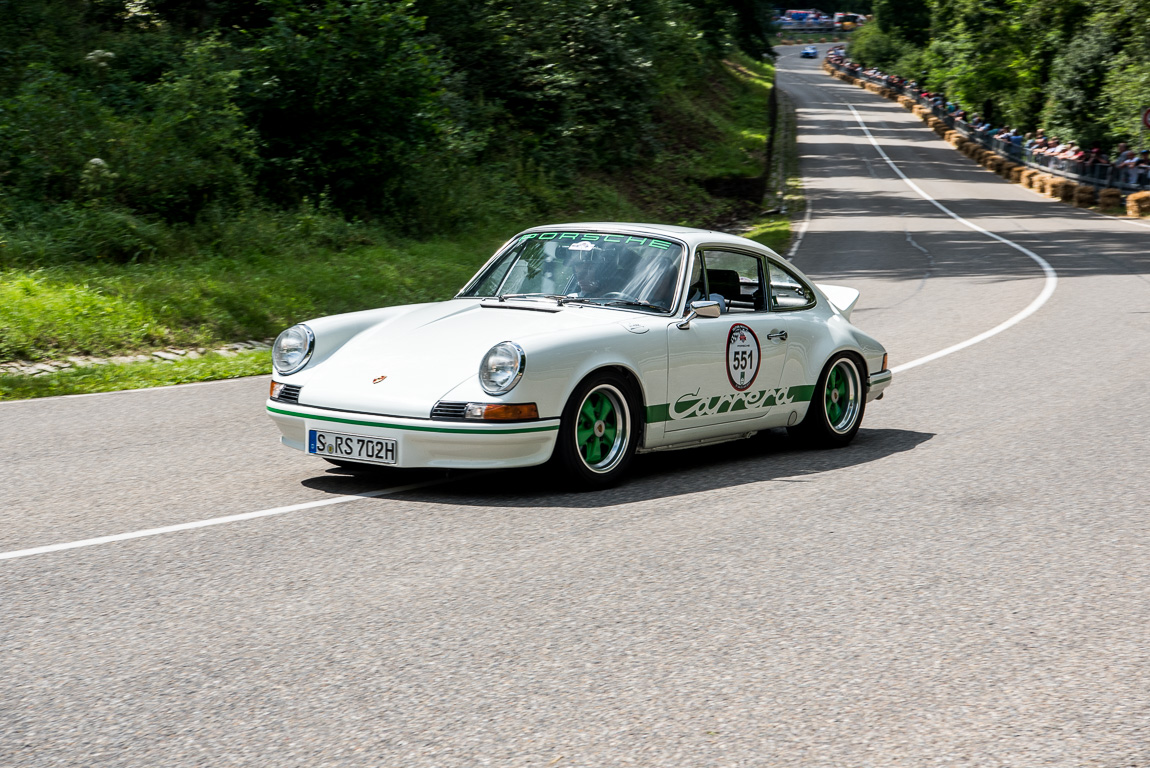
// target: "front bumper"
[[426, 442], [876, 383]]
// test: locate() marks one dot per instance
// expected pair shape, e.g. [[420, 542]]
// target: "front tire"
[[598, 432], [837, 406]]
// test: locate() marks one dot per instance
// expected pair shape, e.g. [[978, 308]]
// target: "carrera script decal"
[[743, 355], [693, 404]]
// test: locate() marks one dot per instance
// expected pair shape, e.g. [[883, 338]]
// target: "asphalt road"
[[967, 585]]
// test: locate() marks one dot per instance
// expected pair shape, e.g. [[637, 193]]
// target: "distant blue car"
[[810, 52]]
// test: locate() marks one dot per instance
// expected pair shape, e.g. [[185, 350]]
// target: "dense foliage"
[[1078, 68], [121, 114]]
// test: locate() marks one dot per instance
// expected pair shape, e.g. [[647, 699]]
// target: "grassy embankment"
[[252, 276]]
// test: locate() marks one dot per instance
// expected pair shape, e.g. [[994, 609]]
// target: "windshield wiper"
[[558, 297], [636, 303]]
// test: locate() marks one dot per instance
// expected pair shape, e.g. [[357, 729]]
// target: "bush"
[[346, 97], [71, 232], [870, 46], [193, 149], [49, 130]]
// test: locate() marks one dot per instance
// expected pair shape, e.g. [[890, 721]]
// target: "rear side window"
[[787, 291]]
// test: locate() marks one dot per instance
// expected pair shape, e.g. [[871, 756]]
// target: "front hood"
[[404, 365]]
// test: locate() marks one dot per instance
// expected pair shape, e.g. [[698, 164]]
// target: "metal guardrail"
[[1097, 175]]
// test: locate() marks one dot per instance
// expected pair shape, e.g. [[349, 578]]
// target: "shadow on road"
[[769, 456]]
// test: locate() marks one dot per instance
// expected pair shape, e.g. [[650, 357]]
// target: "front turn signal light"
[[275, 390], [884, 354], [502, 412]]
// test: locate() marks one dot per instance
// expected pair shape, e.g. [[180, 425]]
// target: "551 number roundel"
[[742, 357]]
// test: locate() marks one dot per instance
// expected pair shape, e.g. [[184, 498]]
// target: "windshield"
[[591, 267]]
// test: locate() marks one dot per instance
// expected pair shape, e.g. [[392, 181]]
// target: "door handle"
[[780, 335]]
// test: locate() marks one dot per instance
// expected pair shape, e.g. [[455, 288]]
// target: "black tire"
[[599, 431], [837, 405]]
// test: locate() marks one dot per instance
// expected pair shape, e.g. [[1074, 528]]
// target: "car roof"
[[689, 235]]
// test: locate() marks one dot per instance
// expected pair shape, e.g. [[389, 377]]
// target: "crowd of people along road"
[[1129, 166]]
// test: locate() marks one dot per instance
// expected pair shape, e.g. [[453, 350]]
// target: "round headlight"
[[293, 349], [502, 367]]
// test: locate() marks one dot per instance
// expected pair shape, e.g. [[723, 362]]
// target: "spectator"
[[1096, 156], [1136, 167]]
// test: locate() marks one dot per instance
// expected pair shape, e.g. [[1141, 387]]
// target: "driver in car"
[[587, 266]]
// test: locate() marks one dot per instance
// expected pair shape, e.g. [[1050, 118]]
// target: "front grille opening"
[[289, 394], [448, 410]]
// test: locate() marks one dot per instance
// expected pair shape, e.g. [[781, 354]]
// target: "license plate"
[[335, 445]]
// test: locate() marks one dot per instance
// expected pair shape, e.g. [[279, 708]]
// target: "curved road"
[[966, 585]]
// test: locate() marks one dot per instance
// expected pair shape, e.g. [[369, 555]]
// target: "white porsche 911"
[[583, 344]]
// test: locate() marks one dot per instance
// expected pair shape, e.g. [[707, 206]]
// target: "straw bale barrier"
[[1062, 189], [1084, 196], [1138, 204], [1110, 198]]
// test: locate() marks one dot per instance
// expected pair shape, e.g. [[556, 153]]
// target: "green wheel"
[[836, 408], [598, 431]]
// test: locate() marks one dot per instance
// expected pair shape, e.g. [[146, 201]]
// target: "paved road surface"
[[967, 585]]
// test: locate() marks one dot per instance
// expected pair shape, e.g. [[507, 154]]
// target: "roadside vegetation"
[[1079, 69], [113, 377], [177, 174]]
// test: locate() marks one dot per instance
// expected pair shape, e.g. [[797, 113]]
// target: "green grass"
[[89, 282], [202, 299], [109, 378]]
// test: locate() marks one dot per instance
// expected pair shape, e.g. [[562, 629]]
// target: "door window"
[[735, 280]]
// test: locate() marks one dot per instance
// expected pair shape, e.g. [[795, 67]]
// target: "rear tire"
[[837, 406], [598, 432]]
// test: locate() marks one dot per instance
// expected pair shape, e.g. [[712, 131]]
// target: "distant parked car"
[[810, 52], [583, 343]]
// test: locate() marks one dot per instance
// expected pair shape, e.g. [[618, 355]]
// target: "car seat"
[[726, 283]]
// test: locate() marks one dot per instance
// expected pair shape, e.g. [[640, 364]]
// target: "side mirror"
[[706, 308], [699, 309]]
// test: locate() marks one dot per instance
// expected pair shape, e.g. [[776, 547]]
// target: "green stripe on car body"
[[413, 428]]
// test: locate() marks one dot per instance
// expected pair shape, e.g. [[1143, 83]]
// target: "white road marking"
[[802, 232], [1047, 289], [213, 521]]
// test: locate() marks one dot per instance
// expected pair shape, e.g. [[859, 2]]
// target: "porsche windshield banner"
[[593, 236]]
